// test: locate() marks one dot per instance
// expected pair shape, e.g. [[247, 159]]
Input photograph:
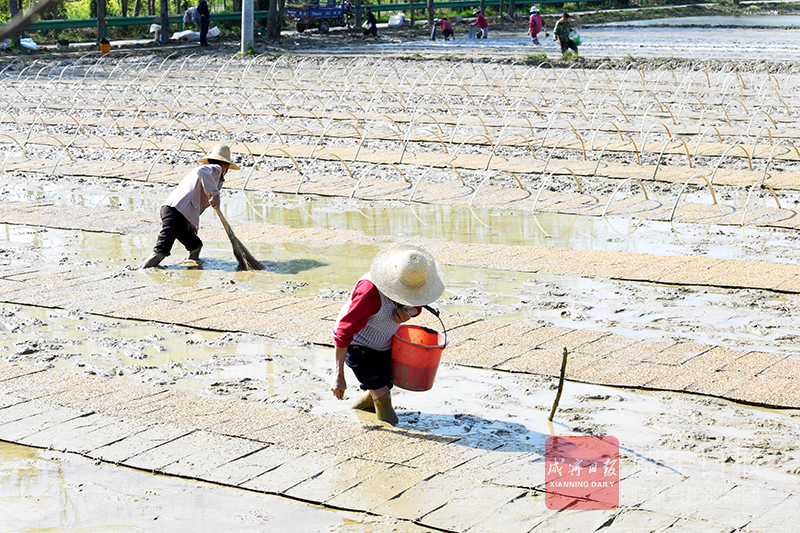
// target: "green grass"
[[534, 58]]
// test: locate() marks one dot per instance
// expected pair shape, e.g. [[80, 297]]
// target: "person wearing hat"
[[481, 24], [401, 279], [447, 29], [561, 34], [536, 25], [180, 212]]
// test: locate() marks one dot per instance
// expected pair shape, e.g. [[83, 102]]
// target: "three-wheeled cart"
[[320, 14]]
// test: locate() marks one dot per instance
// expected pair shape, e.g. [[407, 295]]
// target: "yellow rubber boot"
[[154, 260], [364, 403], [384, 409]]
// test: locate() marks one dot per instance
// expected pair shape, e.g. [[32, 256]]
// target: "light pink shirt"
[[190, 197]]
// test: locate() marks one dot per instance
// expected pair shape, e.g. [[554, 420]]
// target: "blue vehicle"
[[320, 14]]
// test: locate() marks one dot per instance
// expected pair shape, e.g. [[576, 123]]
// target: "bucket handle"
[[435, 312]]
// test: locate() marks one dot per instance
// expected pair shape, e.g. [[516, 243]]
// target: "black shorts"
[[373, 368]]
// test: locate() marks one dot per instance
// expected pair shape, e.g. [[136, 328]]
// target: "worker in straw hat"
[[400, 281], [180, 213]]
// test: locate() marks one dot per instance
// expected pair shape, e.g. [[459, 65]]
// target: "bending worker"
[[400, 281], [447, 29], [180, 213]]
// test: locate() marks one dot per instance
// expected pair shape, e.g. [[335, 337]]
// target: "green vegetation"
[[534, 58]]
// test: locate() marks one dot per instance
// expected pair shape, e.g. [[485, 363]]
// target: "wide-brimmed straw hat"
[[221, 152], [534, 9], [476, 10], [407, 275]]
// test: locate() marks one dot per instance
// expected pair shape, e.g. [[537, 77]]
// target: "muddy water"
[[692, 436], [713, 316], [49, 491], [767, 38], [463, 224]]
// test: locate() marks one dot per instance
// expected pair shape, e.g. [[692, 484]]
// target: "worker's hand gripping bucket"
[[416, 352]]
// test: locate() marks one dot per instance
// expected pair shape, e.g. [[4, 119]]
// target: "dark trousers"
[[203, 30], [175, 226], [372, 368], [566, 44], [373, 30]]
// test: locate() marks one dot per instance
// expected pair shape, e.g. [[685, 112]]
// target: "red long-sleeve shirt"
[[365, 301], [480, 21]]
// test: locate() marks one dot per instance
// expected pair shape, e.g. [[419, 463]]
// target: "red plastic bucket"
[[416, 352]]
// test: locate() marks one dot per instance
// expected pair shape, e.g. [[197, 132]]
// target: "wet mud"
[[698, 437]]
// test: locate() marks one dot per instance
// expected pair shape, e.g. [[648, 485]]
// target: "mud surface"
[[484, 409]]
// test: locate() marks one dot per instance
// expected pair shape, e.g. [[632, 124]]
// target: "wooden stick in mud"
[[560, 385]]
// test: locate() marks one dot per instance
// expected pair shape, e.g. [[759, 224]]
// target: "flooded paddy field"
[[644, 216], [767, 37]]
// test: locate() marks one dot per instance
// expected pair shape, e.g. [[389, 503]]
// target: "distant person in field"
[[537, 23], [371, 25], [192, 16], [561, 34], [447, 29], [482, 29], [205, 18]]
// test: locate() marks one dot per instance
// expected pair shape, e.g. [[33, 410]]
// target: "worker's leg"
[[171, 222], [190, 241], [373, 369], [203, 31]]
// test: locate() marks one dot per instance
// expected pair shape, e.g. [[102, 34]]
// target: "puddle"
[[307, 270], [44, 490], [461, 224]]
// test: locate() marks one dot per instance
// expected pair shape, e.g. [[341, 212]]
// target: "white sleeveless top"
[[380, 328]]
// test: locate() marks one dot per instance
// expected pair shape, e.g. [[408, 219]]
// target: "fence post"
[[101, 20], [247, 25]]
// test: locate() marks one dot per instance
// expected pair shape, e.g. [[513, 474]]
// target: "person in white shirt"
[[180, 212]]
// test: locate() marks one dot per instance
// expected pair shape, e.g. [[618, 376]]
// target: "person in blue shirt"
[[371, 24]]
